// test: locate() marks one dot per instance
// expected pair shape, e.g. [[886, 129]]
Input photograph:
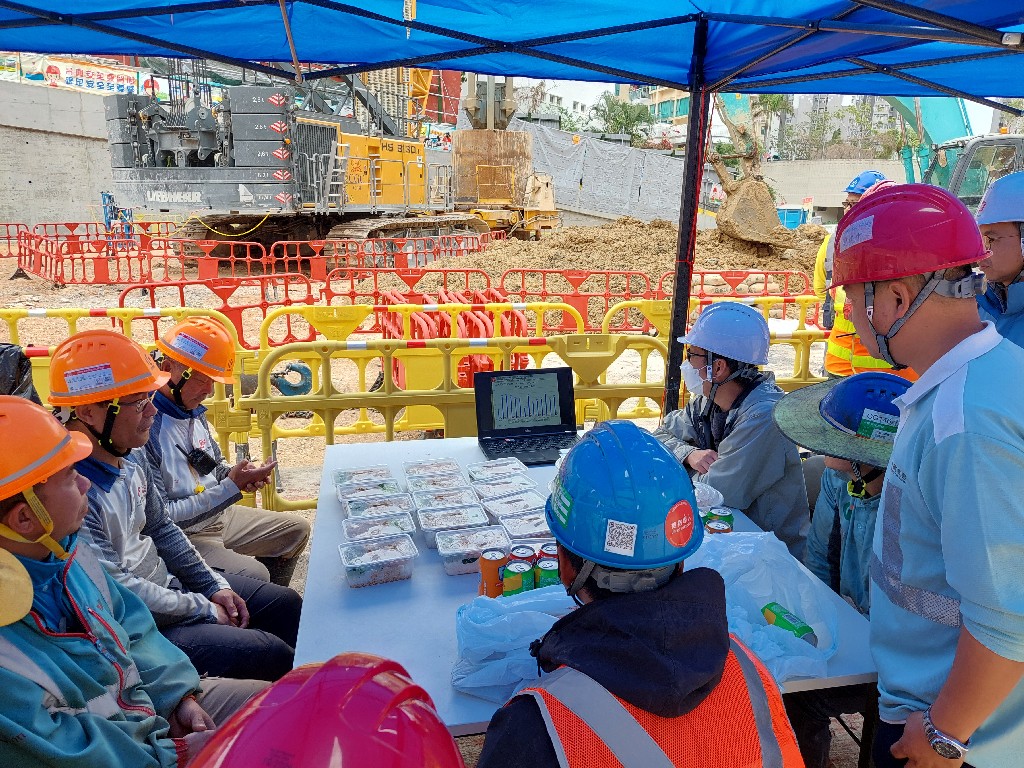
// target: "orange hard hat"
[[44, 448], [93, 366], [356, 709], [203, 344]]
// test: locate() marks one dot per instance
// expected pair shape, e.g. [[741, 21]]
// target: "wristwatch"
[[944, 745]]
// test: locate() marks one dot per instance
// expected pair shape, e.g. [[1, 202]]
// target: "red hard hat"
[[354, 710], [907, 229]]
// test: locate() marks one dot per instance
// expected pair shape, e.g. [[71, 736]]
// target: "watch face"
[[946, 750]]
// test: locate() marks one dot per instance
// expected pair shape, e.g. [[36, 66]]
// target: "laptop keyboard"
[[528, 444]]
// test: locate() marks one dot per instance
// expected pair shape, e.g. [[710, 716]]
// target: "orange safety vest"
[[741, 724]]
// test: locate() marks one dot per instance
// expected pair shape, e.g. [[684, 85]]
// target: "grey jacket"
[[758, 470]]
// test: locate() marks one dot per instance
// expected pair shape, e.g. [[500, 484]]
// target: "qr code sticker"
[[620, 538]]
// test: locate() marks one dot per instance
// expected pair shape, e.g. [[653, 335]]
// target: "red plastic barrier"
[[591, 292], [367, 286], [730, 284], [9, 234], [102, 261], [237, 298]]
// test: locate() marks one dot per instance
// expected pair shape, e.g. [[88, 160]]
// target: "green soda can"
[[517, 577], [778, 616], [721, 513], [545, 573]]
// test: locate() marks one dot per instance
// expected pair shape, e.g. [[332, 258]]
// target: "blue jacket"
[[839, 544], [97, 689], [1008, 315]]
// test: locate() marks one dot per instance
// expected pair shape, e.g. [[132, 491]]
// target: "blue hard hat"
[[853, 418], [863, 181], [622, 500]]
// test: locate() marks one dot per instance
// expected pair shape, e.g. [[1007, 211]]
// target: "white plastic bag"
[[758, 569], [494, 637]]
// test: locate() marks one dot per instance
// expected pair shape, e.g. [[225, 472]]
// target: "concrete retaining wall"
[[54, 160]]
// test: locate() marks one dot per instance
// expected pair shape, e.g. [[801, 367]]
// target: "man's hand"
[[250, 477], [195, 742], [188, 717], [232, 607], [700, 461], [917, 750]]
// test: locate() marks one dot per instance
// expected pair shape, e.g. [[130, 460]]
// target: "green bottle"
[[778, 616]]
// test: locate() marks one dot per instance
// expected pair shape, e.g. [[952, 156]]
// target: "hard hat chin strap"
[[44, 520], [716, 384], [858, 488], [966, 288], [103, 437], [177, 386]]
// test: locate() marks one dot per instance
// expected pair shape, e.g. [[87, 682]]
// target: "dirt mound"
[[629, 244]]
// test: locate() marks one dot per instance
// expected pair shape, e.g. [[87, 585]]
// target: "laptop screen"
[[524, 402]]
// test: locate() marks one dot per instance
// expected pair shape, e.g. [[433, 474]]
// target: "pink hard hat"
[[354, 710]]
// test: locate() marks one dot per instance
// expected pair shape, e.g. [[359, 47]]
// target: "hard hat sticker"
[[878, 426], [561, 502], [679, 524], [90, 378], [620, 538], [189, 346], [857, 233]]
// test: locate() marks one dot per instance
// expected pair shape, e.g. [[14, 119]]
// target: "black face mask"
[[199, 460]]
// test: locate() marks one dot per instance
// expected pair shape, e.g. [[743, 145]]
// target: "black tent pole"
[[700, 101]]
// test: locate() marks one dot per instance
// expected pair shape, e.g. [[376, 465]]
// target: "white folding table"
[[413, 621]]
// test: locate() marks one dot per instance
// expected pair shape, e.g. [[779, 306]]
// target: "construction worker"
[[88, 681], [1001, 220], [725, 435], [947, 617], [642, 672], [845, 354], [852, 422], [377, 717], [229, 625], [199, 487]]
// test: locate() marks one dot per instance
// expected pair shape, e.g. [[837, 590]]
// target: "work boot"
[[281, 568]]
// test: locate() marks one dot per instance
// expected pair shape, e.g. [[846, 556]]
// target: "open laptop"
[[530, 415]]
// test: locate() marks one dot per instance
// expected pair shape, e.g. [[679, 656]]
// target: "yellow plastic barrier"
[[589, 355], [801, 338], [422, 366]]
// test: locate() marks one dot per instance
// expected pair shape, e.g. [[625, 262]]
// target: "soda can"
[[545, 573], [721, 513], [718, 526], [525, 553], [492, 562], [517, 577], [549, 550]]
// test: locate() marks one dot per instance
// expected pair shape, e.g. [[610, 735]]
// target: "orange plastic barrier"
[[9, 234], [236, 298], [591, 292], [710, 285], [356, 286]]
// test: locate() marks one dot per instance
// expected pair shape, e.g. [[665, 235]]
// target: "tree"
[[765, 109], [567, 121], [530, 98], [609, 115]]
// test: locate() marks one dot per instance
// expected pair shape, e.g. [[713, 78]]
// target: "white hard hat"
[[732, 330], [1003, 200]]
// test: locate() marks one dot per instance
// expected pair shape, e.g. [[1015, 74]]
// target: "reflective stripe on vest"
[[848, 350], [887, 573], [628, 741]]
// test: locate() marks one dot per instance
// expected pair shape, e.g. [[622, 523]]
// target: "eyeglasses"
[[139, 405], [848, 204], [690, 355]]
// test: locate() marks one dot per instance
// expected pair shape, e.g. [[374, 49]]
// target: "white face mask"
[[692, 379]]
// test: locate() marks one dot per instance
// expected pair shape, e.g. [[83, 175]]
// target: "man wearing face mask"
[[725, 436], [1001, 221]]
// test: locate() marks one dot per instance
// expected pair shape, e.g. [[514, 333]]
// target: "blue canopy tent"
[[881, 47]]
